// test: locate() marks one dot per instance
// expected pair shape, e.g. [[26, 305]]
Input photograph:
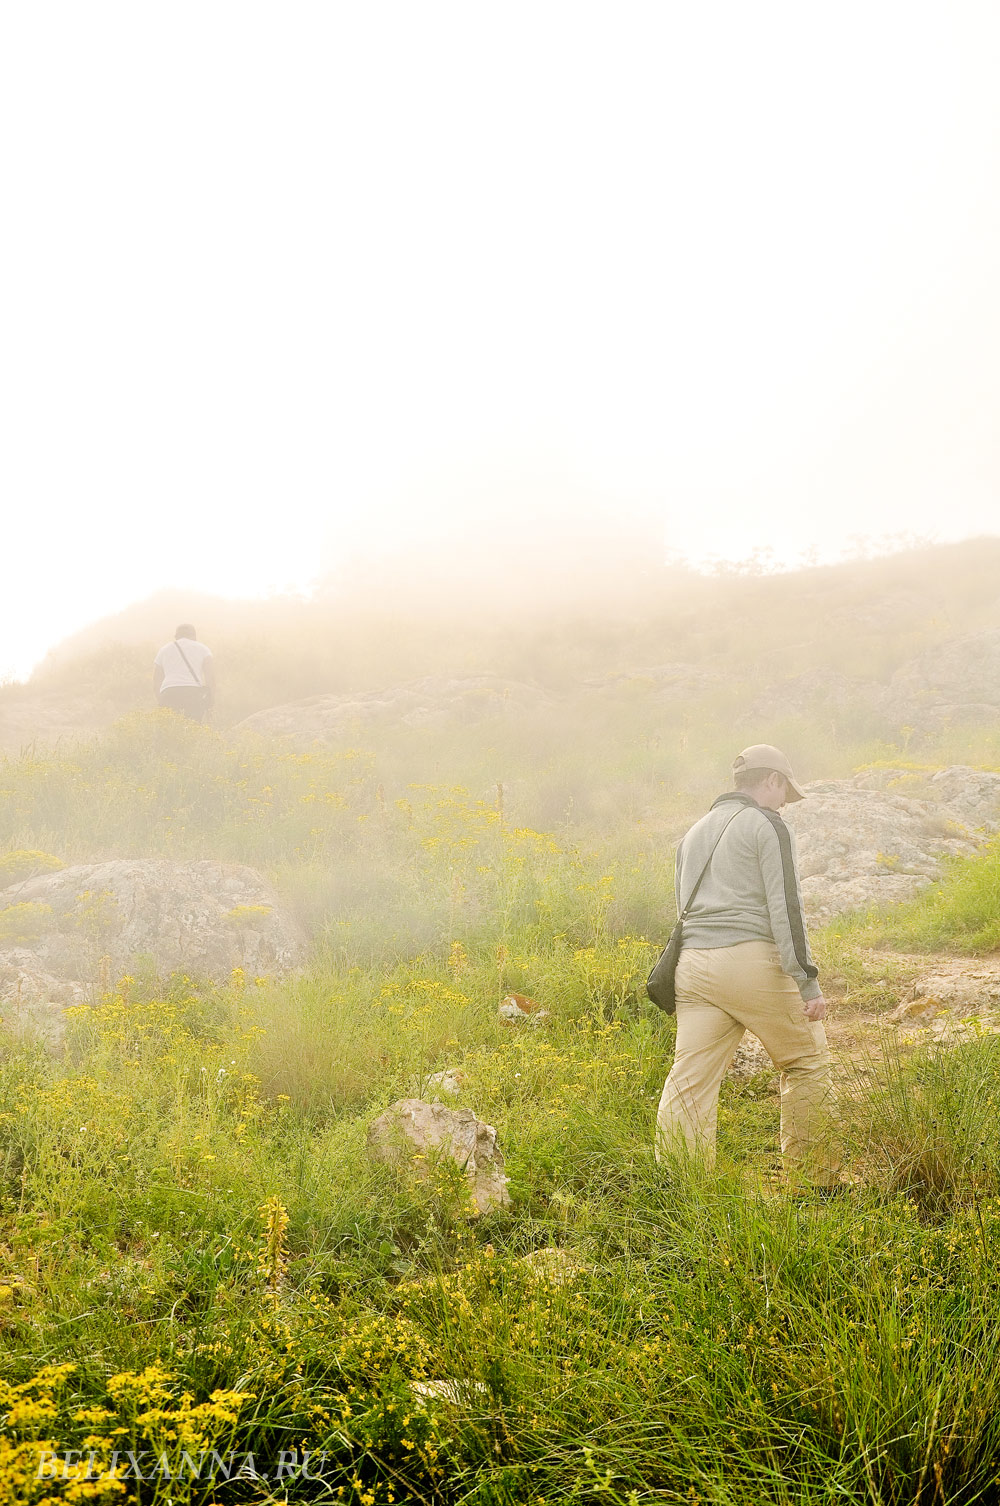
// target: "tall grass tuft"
[[922, 1124]]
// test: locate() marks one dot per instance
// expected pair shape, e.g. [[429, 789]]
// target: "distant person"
[[745, 964], [184, 675]]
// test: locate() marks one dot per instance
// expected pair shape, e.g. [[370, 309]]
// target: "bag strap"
[[200, 686], [691, 897]]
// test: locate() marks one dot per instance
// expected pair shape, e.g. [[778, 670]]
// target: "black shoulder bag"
[[660, 983]]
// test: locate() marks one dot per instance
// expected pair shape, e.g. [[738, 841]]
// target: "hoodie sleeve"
[[778, 866]]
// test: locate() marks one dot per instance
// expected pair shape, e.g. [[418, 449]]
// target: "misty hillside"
[[831, 660], [430, 853], [426, 849]]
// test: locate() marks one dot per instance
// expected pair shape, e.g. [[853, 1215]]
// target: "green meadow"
[[210, 1293]]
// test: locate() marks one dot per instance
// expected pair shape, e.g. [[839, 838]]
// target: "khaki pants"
[[721, 992]]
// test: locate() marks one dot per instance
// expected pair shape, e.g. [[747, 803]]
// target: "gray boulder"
[[750, 1059], [71, 933], [864, 842], [956, 1001], [453, 1393], [32, 1000], [555, 1266], [414, 1133], [450, 1080], [969, 797]]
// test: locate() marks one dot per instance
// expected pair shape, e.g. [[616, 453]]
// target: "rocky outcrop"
[[880, 837], [956, 985], [436, 699], [819, 695], [413, 1133], [32, 1000], [954, 1001], [667, 683], [968, 797], [28, 717], [70, 933], [958, 680]]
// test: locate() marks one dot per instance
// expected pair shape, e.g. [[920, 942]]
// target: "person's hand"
[[815, 1008]]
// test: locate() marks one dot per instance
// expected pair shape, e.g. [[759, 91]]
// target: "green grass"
[[960, 913], [189, 1218], [716, 1341]]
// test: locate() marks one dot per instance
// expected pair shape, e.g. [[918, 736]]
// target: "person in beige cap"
[[745, 964]]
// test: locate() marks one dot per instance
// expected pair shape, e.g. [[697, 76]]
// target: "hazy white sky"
[[282, 283]]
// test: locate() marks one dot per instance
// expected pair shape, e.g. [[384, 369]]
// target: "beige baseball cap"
[[766, 756]]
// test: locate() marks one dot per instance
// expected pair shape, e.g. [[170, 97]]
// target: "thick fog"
[[453, 289]]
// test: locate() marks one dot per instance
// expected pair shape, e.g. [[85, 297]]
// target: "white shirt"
[[175, 671]]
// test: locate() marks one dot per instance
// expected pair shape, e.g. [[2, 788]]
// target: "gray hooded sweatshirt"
[[751, 890]]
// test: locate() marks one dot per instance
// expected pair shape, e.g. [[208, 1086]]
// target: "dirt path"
[[897, 1002]]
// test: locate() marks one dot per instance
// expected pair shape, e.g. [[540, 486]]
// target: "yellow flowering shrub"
[[149, 1412], [25, 921], [25, 863], [248, 915]]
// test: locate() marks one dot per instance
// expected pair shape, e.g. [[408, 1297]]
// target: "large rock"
[[450, 1080], [414, 1133], [959, 801], [863, 841], [32, 1000], [518, 1009], [70, 933], [454, 1393], [819, 694], [969, 797], [436, 699], [956, 681]]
